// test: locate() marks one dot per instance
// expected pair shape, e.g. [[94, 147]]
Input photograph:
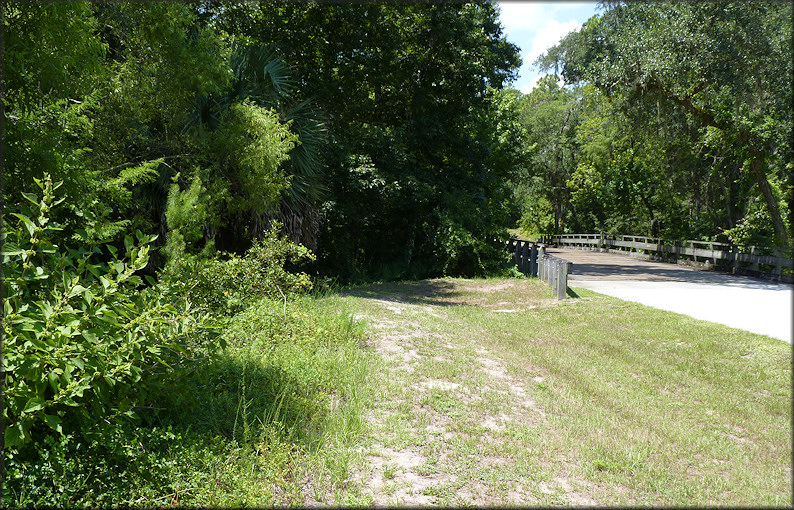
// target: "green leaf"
[[14, 435], [30, 197], [34, 404], [77, 289], [11, 250], [53, 421], [55, 380], [27, 221]]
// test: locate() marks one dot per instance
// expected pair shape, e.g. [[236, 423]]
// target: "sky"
[[537, 26]]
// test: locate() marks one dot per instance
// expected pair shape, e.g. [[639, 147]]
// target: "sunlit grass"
[[641, 406]]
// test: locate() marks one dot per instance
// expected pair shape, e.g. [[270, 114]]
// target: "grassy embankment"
[[498, 394], [267, 421], [467, 392]]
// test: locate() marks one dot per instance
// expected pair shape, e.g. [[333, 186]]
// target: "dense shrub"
[[228, 283], [87, 345]]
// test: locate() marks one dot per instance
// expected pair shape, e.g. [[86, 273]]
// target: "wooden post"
[[533, 261], [560, 279], [754, 259], [525, 258], [562, 288]]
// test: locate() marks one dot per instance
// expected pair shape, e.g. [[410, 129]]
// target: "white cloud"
[[537, 26], [548, 36], [521, 15]]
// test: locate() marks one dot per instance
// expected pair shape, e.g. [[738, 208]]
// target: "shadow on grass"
[[423, 292], [571, 293], [239, 399], [214, 425]]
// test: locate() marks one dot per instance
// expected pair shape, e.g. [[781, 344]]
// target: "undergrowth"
[[272, 413], [121, 393]]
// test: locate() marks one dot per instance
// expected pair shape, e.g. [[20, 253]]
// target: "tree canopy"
[[710, 83], [374, 133]]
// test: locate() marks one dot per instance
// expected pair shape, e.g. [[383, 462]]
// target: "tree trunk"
[[757, 166]]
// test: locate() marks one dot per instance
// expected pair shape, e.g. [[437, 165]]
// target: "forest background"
[[167, 164]]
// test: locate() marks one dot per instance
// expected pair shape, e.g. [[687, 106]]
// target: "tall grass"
[[266, 422]]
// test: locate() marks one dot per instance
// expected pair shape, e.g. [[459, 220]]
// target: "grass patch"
[[583, 401], [272, 420]]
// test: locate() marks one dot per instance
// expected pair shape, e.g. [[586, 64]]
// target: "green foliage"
[[538, 214], [695, 75], [423, 135], [753, 230], [241, 428], [185, 214], [85, 347], [249, 145], [227, 285]]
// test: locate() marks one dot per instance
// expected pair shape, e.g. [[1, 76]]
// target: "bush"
[[227, 286], [87, 345]]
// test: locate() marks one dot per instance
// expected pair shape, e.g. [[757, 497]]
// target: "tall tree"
[[405, 90], [726, 64]]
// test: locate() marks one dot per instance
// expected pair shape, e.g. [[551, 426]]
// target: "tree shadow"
[[238, 398], [648, 272], [422, 292]]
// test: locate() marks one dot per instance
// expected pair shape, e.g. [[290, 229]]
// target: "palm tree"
[[264, 78]]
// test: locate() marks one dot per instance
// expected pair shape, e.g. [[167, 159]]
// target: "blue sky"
[[537, 26]]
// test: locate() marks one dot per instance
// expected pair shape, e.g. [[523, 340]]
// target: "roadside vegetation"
[[186, 187]]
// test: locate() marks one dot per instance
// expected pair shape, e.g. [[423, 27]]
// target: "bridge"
[[619, 266], [740, 302]]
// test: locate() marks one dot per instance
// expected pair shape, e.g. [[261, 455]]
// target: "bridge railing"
[[771, 263], [531, 259], [554, 271]]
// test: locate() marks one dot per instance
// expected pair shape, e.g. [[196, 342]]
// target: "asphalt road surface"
[[739, 302]]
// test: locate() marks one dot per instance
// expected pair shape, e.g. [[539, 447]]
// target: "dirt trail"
[[455, 423]]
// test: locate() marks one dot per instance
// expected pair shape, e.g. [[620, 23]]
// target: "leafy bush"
[[755, 229], [225, 287], [86, 344]]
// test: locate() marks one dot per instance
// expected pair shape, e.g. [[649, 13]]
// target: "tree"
[[550, 115], [405, 93], [727, 65]]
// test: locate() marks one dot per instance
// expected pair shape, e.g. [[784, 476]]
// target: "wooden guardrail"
[[554, 271], [531, 259], [525, 255], [771, 263]]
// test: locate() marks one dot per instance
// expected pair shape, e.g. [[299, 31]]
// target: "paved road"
[[739, 302]]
